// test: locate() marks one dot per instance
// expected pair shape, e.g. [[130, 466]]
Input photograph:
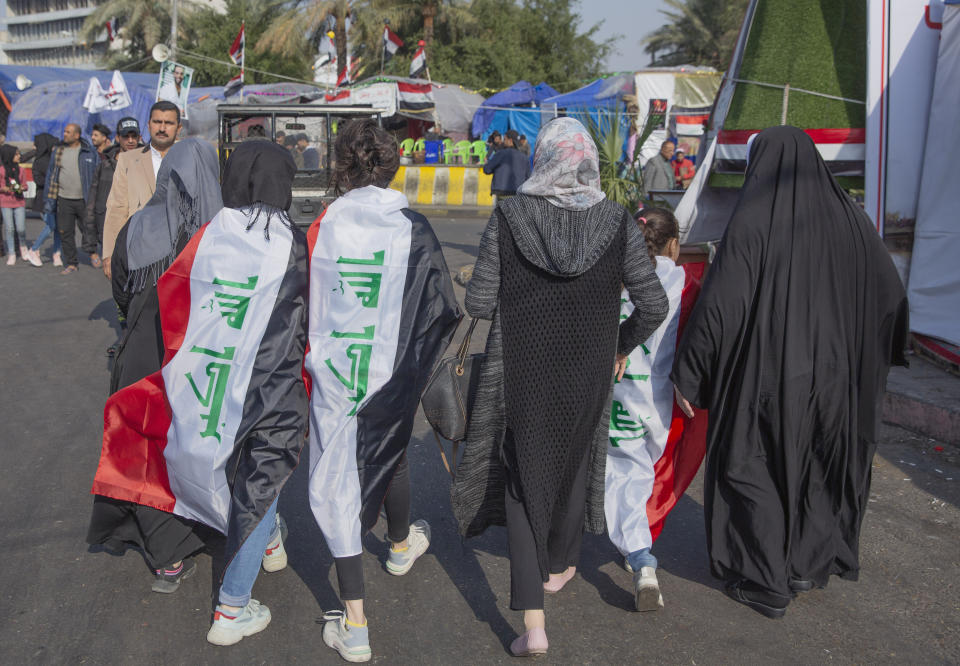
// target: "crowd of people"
[[610, 371]]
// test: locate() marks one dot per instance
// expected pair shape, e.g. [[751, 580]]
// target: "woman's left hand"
[[620, 366]]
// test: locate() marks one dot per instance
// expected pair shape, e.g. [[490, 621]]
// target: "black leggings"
[[563, 542], [397, 507]]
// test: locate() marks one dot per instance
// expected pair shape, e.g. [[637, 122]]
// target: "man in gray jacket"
[[658, 172]]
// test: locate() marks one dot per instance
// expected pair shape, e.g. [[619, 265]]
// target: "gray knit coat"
[[565, 243]]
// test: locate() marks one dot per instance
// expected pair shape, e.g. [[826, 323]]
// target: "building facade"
[[46, 33]]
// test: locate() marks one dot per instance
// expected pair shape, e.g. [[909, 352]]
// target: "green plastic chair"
[[406, 147], [447, 151], [419, 145], [478, 149], [461, 150]]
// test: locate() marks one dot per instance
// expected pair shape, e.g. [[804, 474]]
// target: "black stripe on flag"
[[428, 320], [273, 429]]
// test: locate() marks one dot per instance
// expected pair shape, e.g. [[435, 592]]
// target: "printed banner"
[[173, 84]]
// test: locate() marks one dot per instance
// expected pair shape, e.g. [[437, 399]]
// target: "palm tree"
[[299, 28], [145, 23], [699, 32], [457, 14]]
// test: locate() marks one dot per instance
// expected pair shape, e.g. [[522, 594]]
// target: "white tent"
[[934, 286]]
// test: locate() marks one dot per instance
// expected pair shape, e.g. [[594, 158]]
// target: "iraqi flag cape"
[[217, 431], [382, 311], [654, 451]]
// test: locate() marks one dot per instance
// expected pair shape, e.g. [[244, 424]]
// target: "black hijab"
[[259, 172]]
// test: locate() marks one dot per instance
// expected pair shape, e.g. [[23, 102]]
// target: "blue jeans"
[[641, 558], [242, 573], [13, 216], [50, 227]]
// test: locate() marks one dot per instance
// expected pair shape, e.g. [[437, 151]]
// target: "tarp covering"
[[41, 75], [600, 93], [521, 93], [934, 287]]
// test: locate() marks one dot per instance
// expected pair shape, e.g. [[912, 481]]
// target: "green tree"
[[538, 40], [143, 25], [211, 34], [699, 32]]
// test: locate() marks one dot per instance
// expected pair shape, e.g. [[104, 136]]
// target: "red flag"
[[236, 50], [112, 29]]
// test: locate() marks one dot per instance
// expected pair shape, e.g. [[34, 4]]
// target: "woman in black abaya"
[[801, 315]]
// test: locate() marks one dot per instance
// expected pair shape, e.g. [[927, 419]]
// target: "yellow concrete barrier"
[[438, 185]]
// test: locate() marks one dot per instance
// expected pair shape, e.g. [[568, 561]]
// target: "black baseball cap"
[[128, 125]]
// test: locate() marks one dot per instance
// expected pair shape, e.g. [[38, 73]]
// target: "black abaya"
[[801, 315]]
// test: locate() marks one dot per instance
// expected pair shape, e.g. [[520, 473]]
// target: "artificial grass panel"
[[817, 45]]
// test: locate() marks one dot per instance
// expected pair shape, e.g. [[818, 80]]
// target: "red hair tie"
[[644, 220]]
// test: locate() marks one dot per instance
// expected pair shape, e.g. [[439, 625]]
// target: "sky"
[[632, 19]]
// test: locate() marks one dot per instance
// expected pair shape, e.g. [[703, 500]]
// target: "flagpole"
[[383, 46], [243, 55]]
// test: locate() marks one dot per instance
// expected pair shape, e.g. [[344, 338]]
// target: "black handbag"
[[449, 395]]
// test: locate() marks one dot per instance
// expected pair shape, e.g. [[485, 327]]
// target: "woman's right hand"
[[683, 403]]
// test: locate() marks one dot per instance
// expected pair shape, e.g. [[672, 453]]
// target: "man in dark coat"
[[800, 317], [128, 138], [68, 180], [509, 167]]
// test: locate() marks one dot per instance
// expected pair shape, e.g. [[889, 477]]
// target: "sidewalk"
[[925, 399]]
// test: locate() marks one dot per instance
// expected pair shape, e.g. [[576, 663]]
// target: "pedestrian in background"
[[509, 166], [67, 189], [550, 270], [43, 145], [658, 171], [13, 184], [100, 137], [800, 318]]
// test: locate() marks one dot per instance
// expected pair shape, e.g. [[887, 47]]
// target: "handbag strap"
[[465, 346], [443, 455]]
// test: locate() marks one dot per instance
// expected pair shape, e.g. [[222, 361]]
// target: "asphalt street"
[[63, 602]]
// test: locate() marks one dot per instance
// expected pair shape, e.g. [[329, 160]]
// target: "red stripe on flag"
[[136, 418], [687, 439], [340, 95], [311, 244], [692, 120], [826, 135], [421, 88]]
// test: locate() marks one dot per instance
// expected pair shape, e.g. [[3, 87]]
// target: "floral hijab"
[[566, 169]]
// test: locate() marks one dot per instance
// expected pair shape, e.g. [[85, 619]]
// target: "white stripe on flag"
[[830, 152], [358, 273], [206, 381], [642, 410]]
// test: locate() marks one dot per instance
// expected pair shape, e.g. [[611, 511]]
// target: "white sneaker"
[[24, 253], [57, 260], [229, 629], [646, 589], [399, 562], [275, 556], [34, 258], [11, 259], [351, 642]]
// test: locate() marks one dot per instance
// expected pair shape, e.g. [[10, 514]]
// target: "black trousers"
[[396, 505], [93, 234], [563, 541], [70, 216]]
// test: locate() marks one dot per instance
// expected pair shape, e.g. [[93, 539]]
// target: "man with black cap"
[[128, 138], [509, 167]]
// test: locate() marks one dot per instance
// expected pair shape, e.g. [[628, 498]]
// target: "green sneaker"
[[351, 642]]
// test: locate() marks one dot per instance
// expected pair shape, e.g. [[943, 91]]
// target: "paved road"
[[63, 604]]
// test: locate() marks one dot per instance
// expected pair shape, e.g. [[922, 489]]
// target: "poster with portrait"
[[173, 84]]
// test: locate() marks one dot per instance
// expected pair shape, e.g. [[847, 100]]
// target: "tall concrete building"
[[45, 33]]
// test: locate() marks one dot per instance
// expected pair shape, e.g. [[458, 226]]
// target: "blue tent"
[[602, 93], [56, 94], [525, 118]]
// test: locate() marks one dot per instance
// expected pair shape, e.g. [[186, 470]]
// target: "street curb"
[[924, 418]]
